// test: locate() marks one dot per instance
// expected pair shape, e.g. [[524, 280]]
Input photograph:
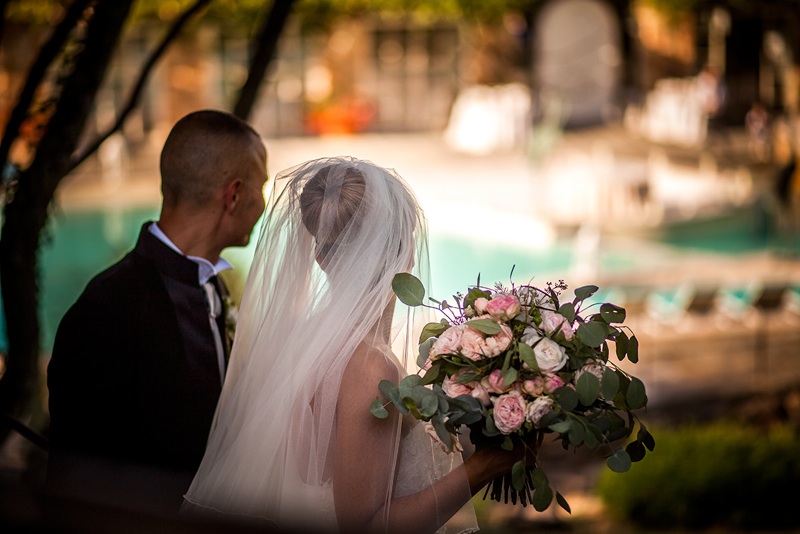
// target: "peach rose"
[[472, 344], [449, 342], [503, 307], [533, 387], [494, 382], [552, 382], [509, 412], [480, 393], [553, 322], [480, 305], [498, 343], [453, 388]]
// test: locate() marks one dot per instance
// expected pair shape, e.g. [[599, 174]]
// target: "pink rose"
[[550, 356], [472, 345], [503, 307], [453, 388], [594, 368], [498, 343], [553, 322], [494, 382], [480, 393], [509, 412], [538, 409], [449, 342], [480, 305], [533, 387], [552, 382]]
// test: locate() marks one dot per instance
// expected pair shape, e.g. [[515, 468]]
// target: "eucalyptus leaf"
[[378, 409], [646, 438], [526, 355], [621, 343], [518, 477], [538, 478], [588, 387], [430, 404], [487, 326], [562, 502], [441, 431], [612, 313], [576, 434], [507, 444], [432, 330], [561, 426], [408, 384], [590, 437], [592, 333], [568, 311], [542, 497], [620, 461], [424, 351], [409, 289], [609, 384], [510, 377], [635, 450], [567, 398], [584, 292], [635, 397], [431, 375], [633, 349]]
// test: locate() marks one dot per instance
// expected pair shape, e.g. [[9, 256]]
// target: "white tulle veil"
[[318, 288]]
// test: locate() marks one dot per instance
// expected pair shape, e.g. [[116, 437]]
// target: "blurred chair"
[[684, 302]]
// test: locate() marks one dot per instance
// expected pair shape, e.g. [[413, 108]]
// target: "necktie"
[[214, 311]]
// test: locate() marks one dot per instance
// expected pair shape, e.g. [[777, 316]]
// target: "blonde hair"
[[347, 200]]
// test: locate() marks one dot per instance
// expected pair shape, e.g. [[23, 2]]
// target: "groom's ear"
[[232, 194]]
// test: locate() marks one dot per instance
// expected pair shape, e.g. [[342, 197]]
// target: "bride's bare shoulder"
[[372, 364]]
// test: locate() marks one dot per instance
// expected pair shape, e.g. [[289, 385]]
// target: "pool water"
[[79, 244]]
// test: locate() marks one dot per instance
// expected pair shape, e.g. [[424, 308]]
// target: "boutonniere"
[[231, 316]]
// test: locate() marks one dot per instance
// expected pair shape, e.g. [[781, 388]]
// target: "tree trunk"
[[267, 43], [26, 216]]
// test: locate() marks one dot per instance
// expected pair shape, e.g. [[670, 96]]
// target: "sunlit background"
[[644, 146]]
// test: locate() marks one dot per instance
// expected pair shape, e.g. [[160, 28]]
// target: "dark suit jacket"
[[133, 382]]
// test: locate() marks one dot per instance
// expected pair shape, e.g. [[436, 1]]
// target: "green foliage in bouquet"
[[514, 364]]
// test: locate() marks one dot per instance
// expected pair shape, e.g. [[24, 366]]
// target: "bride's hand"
[[487, 464]]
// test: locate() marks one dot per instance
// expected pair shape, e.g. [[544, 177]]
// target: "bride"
[[293, 440]]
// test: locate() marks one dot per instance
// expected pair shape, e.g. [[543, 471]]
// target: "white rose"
[[530, 335], [550, 356], [537, 409]]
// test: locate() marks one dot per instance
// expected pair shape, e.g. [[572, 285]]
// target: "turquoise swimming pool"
[[79, 244]]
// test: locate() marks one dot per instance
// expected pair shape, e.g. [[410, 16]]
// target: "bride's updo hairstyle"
[[312, 202]]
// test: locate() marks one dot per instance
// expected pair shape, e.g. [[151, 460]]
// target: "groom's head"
[[213, 169]]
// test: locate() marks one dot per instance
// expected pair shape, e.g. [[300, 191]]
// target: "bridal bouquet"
[[514, 364]]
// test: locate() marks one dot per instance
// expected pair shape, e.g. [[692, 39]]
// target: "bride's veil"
[[318, 286]]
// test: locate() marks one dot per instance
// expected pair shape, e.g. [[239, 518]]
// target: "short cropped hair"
[[204, 150]]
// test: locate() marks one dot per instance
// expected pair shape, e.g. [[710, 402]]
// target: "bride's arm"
[[365, 458]]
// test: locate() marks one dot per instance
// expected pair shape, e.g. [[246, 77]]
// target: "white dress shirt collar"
[[205, 269]]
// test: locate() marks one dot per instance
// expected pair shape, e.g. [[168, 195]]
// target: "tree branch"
[[37, 72], [267, 43], [90, 147]]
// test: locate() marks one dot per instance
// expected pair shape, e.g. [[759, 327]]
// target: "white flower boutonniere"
[[231, 316]]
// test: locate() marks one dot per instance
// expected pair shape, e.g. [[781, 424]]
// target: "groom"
[[139, 359]]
